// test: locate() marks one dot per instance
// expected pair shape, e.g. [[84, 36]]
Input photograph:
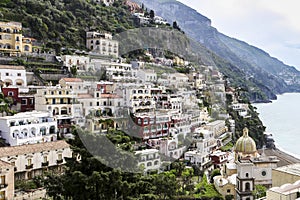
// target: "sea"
[[282, 120]]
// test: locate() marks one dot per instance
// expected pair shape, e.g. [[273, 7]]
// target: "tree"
[[175, 26], [152, 14], [214, 173], [259, 191], [91, 179], [74, 70]]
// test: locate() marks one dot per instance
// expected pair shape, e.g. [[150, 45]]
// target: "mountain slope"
[[268, 73]]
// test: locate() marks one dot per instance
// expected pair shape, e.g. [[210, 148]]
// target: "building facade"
[[6, 181], [102, 43], [13, 75], [28, 127], [32, 160]]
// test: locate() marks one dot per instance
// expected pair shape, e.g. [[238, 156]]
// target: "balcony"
[[29, 166], [3, 185], [59, 161], [45, 164]]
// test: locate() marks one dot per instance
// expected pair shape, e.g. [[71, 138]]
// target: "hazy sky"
[[272, 25]]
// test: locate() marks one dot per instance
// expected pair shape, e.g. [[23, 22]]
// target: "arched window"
[[247, 186], [247, 175]]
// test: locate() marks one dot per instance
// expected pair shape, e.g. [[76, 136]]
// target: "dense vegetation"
[[91, 179], [62, 23]]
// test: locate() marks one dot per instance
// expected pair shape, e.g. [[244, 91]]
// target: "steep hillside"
[[58, 23], [270, 74]]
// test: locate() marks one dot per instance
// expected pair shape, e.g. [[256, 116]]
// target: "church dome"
[[245, 144]]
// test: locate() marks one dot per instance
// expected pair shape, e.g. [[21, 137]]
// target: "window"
[[139, 121], [2, 180], [91, 103], [19, 74], [10, 93], [228, 190], [264, 173], [59, 157], [97, 94], [6, 74], [31, 101], [29, 161], [45, 159], [247, 186], [45, 92], [24, 102], [247, 175], [26, 48]]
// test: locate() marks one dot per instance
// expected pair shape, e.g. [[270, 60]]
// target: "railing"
[[29, 166], [3, 185], [45, 164], [59, 161]]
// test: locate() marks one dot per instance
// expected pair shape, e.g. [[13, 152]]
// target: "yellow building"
[[11, 37], [285, 192], [286, 174], [6, 181], [12, 41]]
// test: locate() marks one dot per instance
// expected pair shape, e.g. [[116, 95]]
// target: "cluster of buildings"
[[165, 110]]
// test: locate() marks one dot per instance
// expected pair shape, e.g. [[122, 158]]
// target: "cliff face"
[[269, 74]]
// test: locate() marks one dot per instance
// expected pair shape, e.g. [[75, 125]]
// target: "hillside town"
[[177, 115]]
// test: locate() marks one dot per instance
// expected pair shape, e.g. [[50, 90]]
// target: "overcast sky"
[[272, 25]]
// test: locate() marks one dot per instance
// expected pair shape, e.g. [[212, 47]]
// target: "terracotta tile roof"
[[110, 96], [12, 67], [72, 79], [5, 164], [84, 96], [32, 148]]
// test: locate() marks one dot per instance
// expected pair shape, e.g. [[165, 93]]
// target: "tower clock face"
[[263, 173]]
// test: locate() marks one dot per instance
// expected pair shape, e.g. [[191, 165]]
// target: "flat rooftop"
[[293, 169]]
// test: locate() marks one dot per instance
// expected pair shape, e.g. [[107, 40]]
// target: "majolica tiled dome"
[[245, 144]]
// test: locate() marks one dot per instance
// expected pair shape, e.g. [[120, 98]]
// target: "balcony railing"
[[3, 185], [45, 164], [59, 161], [29, 166]]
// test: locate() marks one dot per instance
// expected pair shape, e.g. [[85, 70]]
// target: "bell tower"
[[244, 180]]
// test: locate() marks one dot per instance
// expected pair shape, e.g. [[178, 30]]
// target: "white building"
[[76, 85], [204, 142], [115, 71], [147, 75], [241, 108], [196, 157], [82, 63], [28, 128], [178, 79], [32, 159], [148, 159], [102, 43], [13, 75], [217, 127]]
